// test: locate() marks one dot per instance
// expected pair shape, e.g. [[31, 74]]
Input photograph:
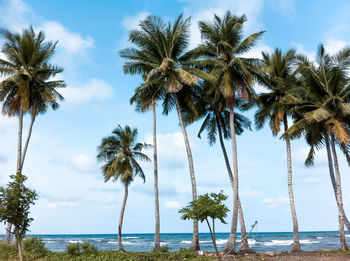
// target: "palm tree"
[[221, 52], [327, 97], [279, 77], [120, 152], [27, 88], [216, 123], [160, 55], [146, 97]]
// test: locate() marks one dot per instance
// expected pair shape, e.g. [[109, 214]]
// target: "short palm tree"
[[121, 153], [160, 55], [221, 53], [146, 97], [279, 77], [326, 104], [28, 87]]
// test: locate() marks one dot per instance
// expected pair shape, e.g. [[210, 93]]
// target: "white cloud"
[[275, 202], [251, 192], [172, 148], [204, 11], [94, 89], [7, 124], [334, 45], [300, 49], [71, 42], [300, 155], [83, 162], [15, 15], [308, 180], [284, 6], [62, 204], [132, 22], [172, 205]]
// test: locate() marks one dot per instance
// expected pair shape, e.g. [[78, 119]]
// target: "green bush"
[[73, 249], [34, 247], [88, 249], [186, 253], [164, 249], [8, 251], [85, 248]]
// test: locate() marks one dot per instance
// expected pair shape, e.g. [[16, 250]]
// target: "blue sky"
[[61, 163]]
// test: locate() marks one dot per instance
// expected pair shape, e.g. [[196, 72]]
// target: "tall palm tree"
[[146, 97], [216, 123], [279, 77], [234, 75], [327, 97], [160, 55], [121, 153], [27, 87]]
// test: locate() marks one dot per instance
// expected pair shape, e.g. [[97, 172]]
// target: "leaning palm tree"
[[146, 97], [279, 77], [160, 55], [234, 75], [216, 123], [121, 153], [27, 87], [327, 103]]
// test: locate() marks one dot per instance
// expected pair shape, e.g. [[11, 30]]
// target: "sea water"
[[259, 242]]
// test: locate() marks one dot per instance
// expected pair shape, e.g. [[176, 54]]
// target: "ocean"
[[259, 241]]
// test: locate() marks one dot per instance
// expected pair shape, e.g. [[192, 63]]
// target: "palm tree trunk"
[[156, 194], [122, 217], [19, 246], [27, 141], [296, 243], [8, 233], [343, 244], [334, 183], [244, 244], [195, 241], [212, 234], [231, 243], [19, 142], [19, 164]]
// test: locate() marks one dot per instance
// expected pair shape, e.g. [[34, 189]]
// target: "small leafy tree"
[[206, 207], [15, 201]]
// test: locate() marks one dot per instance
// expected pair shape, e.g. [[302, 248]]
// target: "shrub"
[[89, 249], [85, 248], [8, 251], [34, 247], [164, 249], [73, 249], [186, 253]]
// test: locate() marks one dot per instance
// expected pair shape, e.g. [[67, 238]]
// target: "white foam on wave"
[[277, 243], [221, 241], [307, 241], [163, 243], [286, 242], [186, 242], [251, 241], [347, 235], [319, 237], [131, 237], [75, 241]]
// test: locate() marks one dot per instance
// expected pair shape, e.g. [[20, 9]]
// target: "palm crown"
[[28, 86], [121, 152]]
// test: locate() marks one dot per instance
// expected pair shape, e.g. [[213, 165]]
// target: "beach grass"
[[10, 253]]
